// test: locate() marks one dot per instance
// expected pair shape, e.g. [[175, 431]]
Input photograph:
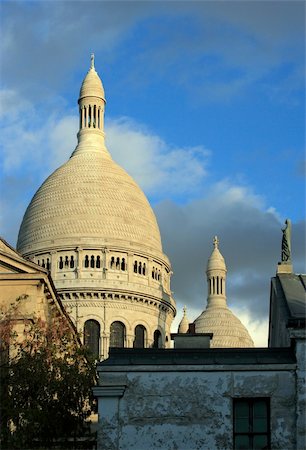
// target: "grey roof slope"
[[294, 290]]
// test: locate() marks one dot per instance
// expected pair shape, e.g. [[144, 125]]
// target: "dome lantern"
[[216, 277], [217, 318], [91, 105]]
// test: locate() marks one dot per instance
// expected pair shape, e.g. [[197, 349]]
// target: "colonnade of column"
[[216, 286], [91, 116]]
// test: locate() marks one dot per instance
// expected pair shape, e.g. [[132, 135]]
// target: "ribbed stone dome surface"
[[89, 199], [92, 85], [227, 329]]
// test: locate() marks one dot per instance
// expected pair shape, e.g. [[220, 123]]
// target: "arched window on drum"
[[140, 336], [157, 339], [92, 337], [117, 334]]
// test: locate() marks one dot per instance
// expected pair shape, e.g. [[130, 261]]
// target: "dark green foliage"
[[45, 388]]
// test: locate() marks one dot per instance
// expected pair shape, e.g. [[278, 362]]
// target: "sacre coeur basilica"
[[93, 228], [90, 251]]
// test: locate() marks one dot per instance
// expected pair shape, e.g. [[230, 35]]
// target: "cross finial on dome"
[[216, 242], [185, 310], [92, 61]]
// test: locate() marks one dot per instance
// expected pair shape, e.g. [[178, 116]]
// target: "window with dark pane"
[[92, 337], [140, 336], [157, 339], [117, 334], [251, 423]]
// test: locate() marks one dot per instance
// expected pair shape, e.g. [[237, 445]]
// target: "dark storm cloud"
[[45, 41], [42, 43], [250, 241]]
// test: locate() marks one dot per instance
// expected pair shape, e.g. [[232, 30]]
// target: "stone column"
[[150, 265], [105, 263], [83, 117], [53, 260], [130, 266], [108, 396], [79, 262]]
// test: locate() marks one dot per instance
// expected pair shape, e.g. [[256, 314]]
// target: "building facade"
[[212, 398], [27, 293], [91, 225]]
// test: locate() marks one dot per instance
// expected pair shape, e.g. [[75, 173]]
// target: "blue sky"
[[205, 109]]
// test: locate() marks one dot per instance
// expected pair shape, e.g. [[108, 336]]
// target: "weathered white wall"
[[190, 408], [300, 351]]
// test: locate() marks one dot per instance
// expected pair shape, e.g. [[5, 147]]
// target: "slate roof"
[[203, 356], [294, 292]]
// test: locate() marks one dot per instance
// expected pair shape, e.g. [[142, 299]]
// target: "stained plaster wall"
[[300, 351], [190, 408]]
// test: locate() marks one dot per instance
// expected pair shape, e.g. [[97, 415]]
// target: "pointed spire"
[[92, 61], [216, 260], [92, 84], [216, 242], [184, 323]]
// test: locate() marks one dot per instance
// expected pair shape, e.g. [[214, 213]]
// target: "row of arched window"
[[140, 267], [94, 262], [117, 336], [66, 261], [44, 263], [216, 285], [118, 263], [155, 273]]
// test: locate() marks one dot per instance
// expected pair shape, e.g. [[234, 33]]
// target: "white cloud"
[[157, 166], [27, 133], [258, 329]]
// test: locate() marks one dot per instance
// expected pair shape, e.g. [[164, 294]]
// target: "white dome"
[[93, 228], [92, 200], [227, 329], [217, 318]]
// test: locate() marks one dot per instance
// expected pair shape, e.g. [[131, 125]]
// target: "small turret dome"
[[216, 260], [217, 318], [92, 84]]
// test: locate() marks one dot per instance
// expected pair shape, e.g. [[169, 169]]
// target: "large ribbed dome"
[[89, 199], [93, 228]]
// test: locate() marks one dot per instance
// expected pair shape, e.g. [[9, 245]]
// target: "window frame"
[[251, 434], [140, 339], [92, 337], [115, 335]]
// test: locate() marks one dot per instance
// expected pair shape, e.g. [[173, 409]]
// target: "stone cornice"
[[109, 390], [112, 300]]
